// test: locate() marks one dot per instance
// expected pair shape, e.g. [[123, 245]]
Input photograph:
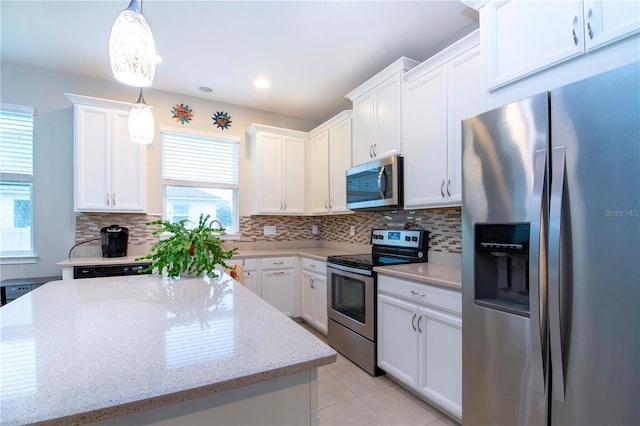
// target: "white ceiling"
[[313, 52]]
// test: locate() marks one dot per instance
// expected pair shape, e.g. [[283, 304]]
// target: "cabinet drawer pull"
[[312, 265], [278, 263], [419, 319], [278, 273], [417, 293], [413, 322]]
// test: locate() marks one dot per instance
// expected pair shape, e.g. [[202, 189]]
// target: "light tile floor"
[[349, 396]]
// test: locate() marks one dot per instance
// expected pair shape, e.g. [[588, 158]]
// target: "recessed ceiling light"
[[205, 89], [261, 83]]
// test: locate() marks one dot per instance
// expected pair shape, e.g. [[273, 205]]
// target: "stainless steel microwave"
[[376, 185]]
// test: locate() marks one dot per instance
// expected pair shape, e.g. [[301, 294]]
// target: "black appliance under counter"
[[100, 266]]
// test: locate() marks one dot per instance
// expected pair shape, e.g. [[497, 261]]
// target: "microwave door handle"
[[381, 190]]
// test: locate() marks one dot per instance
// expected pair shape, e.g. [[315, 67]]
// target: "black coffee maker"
[[114, 241]]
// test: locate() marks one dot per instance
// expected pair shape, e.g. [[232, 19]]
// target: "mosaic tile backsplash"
[[444, 226]]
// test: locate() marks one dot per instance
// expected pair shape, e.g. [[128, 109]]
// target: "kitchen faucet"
[[219, 226]]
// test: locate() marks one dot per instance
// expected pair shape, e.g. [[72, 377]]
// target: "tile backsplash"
[[444, 226]]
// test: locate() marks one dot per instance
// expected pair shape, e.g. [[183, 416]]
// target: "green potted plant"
[[189, 250]]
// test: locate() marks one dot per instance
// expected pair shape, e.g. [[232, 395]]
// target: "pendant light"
[[132, 49], [141, 125]]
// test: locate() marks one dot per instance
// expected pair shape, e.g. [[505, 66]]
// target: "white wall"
[[54, 218]]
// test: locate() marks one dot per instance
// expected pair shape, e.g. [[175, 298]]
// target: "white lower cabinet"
[[420, 339], [277, 286], [250, 275], [314, 294]]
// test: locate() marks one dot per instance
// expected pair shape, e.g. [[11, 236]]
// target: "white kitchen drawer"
[[316, 266], [271, 263], [424, 294]]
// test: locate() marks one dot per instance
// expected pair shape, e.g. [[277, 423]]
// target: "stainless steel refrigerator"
[[551, 257]]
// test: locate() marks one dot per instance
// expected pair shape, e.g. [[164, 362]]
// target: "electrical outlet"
[[269, 230], [352, 230], [314, 229]]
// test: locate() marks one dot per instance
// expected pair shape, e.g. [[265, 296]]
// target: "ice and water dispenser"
[[502, 267]]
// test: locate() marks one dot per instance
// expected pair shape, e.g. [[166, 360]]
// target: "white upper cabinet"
[[438, 94], [524, 36], [110, 170], [328, 158], [278, 160], [607, 21], [377, 114]]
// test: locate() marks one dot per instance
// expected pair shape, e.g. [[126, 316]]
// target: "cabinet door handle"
[[419, 319], [108, 199], [371, 151], [448, 186], [325, 205], [330, 206], [589, 30], [442, 188], [413, 322], [417, 293], [573, 30], [113, 199], [311, 281], [374, 149]]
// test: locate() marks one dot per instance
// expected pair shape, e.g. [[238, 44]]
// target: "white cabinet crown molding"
[[331, 122], [98, 102], [475, 4], [468, 42], [400, 65], [254, 128]]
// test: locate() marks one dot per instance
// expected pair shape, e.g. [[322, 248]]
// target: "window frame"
[[21, 179], [230, 233]]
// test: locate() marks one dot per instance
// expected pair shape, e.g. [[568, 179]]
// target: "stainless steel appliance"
[[376, 185], [551, 257], [97, 271], [114, 240], [352, 288]]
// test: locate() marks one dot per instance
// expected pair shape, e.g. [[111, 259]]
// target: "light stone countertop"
[[318, 253], [444, 275], [77, 351]]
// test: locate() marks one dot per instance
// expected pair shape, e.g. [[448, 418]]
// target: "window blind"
[[199, 159], [16, 143]]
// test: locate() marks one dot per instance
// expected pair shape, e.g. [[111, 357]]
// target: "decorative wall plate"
[[222, 120], [182, 113]]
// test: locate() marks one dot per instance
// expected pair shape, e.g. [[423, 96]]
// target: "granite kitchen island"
[[143, 350]]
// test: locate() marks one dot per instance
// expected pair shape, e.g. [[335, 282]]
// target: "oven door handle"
[[357, 271]]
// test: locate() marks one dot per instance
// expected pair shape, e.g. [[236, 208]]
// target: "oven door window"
[[348, 297]]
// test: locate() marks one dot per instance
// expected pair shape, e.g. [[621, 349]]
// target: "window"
[[16, 180], [200, 176]]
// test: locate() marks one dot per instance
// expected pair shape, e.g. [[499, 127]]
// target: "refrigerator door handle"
[[555, 221], [537, 244]]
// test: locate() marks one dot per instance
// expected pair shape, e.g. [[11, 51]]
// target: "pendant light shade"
[[141, 125], [132, 49]]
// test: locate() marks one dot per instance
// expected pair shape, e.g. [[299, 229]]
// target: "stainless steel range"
[[352, 289]]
